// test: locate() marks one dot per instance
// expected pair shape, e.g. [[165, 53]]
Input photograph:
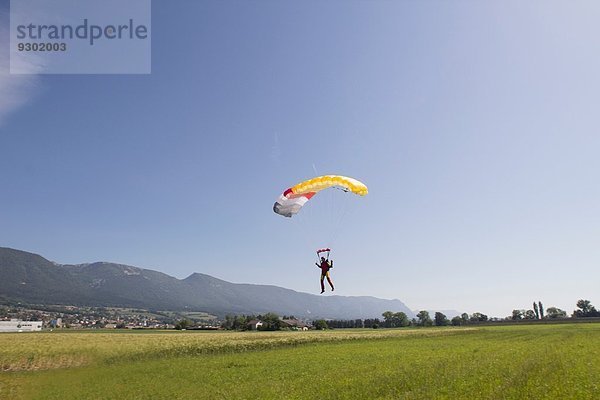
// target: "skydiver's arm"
[[318, 266], [331, 264]]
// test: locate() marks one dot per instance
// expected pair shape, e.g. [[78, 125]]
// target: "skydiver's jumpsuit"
[[325, 267]]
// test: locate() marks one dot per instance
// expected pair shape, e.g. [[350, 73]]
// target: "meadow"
[[491, 362]]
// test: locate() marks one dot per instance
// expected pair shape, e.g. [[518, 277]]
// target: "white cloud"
[[15, 90]]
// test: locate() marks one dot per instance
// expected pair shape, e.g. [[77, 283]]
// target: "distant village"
[[13, 318], [26, 318]]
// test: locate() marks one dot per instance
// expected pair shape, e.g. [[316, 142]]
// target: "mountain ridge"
[[31, 278]]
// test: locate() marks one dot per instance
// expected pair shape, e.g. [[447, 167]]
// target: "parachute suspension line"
[[303, 227], [293, 199], [337, 213], [308, 226], [332, 216], [343, 211], [331, 212]]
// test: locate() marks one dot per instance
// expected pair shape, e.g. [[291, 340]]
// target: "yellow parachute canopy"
[[323, 182], [291, 201]]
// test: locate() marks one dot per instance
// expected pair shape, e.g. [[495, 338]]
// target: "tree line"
[[273, 322], [270, 322], [423, 318], [585, 309]]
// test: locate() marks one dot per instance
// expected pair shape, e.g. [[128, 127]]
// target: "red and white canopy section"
[[290, 203]]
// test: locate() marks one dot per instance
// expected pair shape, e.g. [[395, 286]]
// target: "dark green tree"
[[183, 324], [320, 324], [465, 318], [424, 318], [370, 322], [440, 319], [586, 309], [478, 317], [271, 322], [541, 307], [228, 323], [394, 320], [400, 319], [554, 313], [240, 322], [517, 315], [388, 318]]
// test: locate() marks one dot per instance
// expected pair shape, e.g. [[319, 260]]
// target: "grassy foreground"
[[505, 362]]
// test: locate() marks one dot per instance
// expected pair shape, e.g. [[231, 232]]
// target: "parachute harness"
[[327, 250]]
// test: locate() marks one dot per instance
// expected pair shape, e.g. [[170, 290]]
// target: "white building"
[[16, 325], [255, 324]]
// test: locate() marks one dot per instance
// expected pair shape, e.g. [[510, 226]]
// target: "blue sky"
[[474, 124]]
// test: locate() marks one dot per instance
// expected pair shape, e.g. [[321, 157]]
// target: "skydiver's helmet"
[[322, 259]]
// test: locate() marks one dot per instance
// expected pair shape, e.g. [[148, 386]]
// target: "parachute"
[[293, 199]]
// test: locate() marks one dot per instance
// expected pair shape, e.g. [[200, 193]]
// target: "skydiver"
[[325, 266]]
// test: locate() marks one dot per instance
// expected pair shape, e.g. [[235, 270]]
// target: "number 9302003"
[[41, 46]]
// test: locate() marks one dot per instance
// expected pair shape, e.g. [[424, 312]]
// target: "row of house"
[[83, 318]]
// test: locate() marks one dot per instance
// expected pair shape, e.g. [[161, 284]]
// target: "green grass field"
[[500, 362]]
